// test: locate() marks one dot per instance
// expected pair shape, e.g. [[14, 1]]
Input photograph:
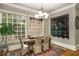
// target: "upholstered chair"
[[45, 44], [37, 47], [1, 52], [24, 47], [13, 45]]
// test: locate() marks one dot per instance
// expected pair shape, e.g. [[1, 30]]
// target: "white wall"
[[46, 27], [77, 30], [70, 44]]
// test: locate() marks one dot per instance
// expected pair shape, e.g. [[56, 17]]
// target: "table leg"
[[50, 43], [28, 50]]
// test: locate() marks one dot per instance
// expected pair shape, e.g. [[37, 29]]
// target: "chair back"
[[46, 40], [38, 41], [38, 45], [13, 43], [11, 38], [21, 42]]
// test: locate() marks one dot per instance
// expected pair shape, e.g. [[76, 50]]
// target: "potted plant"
[[6, 30]]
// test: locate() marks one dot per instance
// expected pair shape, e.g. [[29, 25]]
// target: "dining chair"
[[37, 47], [1, 52], [13, 46], [24, 47], [45, 44]]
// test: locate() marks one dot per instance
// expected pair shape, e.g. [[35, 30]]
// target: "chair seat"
[[25, 46], [37, 49], [45, 46], [25, 49]]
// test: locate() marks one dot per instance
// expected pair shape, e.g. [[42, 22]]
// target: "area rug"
[[53, 51]]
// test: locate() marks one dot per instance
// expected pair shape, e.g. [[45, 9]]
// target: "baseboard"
[[77, 46], [72, 47]]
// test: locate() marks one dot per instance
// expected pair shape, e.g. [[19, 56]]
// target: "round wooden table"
[[30, 44]]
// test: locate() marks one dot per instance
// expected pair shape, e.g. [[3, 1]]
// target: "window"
[[18, 23]]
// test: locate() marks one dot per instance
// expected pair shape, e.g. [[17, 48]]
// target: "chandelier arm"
[[41, 7], [41, 14]]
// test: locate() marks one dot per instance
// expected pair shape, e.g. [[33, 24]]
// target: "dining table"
[[30, 44], [32, 40]]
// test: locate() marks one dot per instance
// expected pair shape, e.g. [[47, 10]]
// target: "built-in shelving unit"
[[34, 26]]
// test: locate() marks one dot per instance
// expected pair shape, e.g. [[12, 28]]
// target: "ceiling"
[[32, 8], [48, 7]]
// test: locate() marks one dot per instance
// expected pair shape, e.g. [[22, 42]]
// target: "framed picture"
[[60, 26], [77, 22]]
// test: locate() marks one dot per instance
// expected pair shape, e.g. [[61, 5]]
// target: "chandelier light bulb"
[[46, 15], [36, 16], [40, 13]]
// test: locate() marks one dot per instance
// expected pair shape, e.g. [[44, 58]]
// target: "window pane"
[[4, 15], [4, 20], [9, 20], [10, 16]]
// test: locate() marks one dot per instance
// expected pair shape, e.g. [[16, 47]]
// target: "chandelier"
[[41, 14]]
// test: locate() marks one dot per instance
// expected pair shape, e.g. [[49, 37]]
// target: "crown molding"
[[14, 12], [20, 7], [63, 8]]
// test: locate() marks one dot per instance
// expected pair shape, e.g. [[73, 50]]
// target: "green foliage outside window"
[[6, 29]]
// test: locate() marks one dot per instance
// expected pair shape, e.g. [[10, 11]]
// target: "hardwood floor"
[[71, 53]]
